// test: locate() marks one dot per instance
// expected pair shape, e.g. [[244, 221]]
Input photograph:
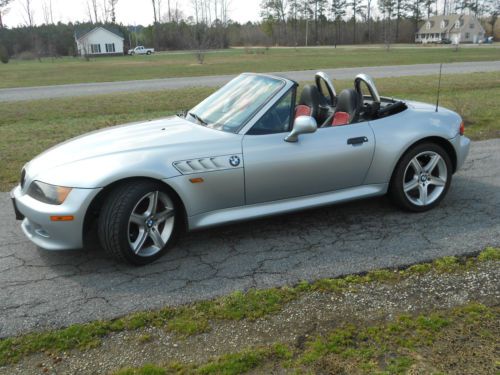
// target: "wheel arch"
[[444, 143], [93, 210]]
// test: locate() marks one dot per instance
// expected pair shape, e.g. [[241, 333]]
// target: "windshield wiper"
[[198, 118]]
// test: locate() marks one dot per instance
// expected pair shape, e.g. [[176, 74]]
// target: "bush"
[[26, 56], [4, 55]]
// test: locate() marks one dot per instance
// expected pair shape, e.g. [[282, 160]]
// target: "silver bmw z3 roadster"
[[253, 148]]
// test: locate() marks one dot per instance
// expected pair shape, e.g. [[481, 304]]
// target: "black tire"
[[116, 228], [400, 179], [148, 53]]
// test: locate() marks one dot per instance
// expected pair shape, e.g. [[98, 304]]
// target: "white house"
[[458, 28], [98, 41]]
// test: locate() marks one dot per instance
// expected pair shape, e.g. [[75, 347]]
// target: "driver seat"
[[349, 104], [309, 102]]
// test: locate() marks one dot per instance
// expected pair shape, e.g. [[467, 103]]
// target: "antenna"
[[439, 85]]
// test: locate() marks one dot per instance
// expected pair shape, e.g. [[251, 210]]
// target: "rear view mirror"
[[302, 125]]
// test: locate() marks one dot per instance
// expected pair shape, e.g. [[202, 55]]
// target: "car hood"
[[134, 139]]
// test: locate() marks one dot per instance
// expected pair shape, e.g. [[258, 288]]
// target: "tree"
[[112, 9], [387, 8], [29, 13], [400, 7], [48, 15], [356, 7], [415, 9], [3, 10], [337, 11], [156, 10]]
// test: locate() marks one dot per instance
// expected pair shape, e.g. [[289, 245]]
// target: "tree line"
[[283, 22]]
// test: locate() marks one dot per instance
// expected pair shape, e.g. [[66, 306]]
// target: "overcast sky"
[[128, 11]]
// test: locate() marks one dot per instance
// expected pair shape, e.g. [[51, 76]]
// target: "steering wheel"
[[332, 95], [373, 109]]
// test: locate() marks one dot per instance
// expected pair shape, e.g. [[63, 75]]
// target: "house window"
[[457, 24], [110, 47], [471, 25], [428, 25], [95, 48], [443, 24], [467, 35]]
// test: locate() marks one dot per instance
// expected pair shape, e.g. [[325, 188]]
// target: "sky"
[[128, 11]]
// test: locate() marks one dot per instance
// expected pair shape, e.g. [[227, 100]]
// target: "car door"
[[332, 158]]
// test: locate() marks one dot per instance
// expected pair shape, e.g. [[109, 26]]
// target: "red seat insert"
[[302, 110], [340, 118]]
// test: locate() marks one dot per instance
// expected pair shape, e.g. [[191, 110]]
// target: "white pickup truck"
[[140, 50]]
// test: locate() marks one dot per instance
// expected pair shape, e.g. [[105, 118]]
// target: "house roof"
[[82, 30], [450, 21]]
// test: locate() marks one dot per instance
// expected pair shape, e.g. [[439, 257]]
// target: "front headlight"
[[49, 194]]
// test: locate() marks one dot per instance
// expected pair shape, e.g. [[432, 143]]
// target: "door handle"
[[357, 141]]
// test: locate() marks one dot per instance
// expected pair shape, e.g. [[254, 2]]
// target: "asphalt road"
[[85, 89], [41, 289]]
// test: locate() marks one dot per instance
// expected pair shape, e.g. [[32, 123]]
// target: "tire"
[[421, 187], [139, 222], [148, 53]]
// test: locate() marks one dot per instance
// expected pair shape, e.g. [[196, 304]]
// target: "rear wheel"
[[138, 222], [421, 178], [148, 53]]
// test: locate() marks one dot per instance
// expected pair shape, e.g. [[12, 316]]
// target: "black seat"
[[350, 102], [310, 97]]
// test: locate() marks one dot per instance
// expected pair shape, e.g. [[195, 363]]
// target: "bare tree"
[[105, 11], [112, 9], [156, 10], [3, 10], [89, 12], [48, 15], [95, 9], [29, 13]]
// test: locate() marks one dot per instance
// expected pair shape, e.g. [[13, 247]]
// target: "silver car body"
[[244, 176]]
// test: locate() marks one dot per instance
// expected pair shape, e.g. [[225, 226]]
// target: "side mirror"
[[302, 125]]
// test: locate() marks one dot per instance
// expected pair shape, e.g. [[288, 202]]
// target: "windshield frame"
[[259, 111]]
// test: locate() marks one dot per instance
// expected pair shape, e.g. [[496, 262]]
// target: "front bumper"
[[462, 146], [53, 235]]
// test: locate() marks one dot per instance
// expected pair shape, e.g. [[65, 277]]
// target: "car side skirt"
[[230, 215]]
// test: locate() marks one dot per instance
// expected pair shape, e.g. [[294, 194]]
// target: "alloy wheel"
[[425, 177], [151, 224]]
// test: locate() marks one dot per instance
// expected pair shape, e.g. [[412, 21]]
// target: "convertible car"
[[256, 147]]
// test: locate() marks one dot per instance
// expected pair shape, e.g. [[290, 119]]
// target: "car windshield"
[[229, 108]]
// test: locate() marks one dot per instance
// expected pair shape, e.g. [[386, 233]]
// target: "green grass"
[[75, 70], [393, 347], [28, 128], [195, 318]]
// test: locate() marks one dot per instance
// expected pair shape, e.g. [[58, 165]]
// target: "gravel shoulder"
[[302, 321]]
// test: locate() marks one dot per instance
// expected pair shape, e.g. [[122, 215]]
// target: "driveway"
[[41, 289], [85, 89]]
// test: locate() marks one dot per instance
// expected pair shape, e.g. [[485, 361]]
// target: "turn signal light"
[[196, 180], [462, 128], [62, 218]]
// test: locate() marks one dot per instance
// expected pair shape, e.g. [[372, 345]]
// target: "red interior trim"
[[302, 110], [340, 118]]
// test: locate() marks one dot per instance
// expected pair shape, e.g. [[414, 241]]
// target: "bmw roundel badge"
[[234, 161]]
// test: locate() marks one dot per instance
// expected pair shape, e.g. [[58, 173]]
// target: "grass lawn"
[[162, 65], [28, 128]]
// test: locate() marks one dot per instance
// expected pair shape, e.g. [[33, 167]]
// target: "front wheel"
[[421, 178], [138, 222]]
